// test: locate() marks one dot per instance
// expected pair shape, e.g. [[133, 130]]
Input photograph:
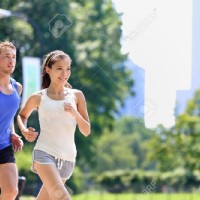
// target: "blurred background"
[[130, 150]]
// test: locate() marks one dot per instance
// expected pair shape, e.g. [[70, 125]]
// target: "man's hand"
[[16, 141]]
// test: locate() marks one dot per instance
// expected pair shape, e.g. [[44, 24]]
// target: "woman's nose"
[[64, 71]]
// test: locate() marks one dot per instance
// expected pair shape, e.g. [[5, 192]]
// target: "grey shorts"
[[64, 167]]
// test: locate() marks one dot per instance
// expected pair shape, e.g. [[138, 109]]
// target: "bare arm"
[[81, 114], [82, 117], [16, 141], [22, 118]]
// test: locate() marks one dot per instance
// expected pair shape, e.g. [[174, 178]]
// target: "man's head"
[[7, 57], [7, 44]]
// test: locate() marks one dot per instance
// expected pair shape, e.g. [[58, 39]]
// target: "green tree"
[[124, 147], [134, 127], [162, 150], [187, 137], [179, 146], [114, 152], [93, 42], [90, 32]]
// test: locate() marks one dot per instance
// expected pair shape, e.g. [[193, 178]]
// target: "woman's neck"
[[55, 89]]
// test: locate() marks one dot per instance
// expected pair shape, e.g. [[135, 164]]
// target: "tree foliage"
[[124, 147], [89, 31], [179, 146], [187, 129]]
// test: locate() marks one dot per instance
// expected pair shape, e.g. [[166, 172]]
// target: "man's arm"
[[16, 141]]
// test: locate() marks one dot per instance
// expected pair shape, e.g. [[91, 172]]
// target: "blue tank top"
[[9, 105]]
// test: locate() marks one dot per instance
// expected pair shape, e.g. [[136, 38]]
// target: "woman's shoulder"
[[79, 96], [70, 90], [37, 95], [34, 100], [75, 91]]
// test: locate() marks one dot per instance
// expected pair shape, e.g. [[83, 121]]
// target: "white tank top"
[[57, 127]]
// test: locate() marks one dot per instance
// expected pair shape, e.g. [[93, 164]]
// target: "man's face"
[[7, 60]]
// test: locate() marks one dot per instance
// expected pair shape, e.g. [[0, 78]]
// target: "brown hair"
[[7, 44], [49, 60]]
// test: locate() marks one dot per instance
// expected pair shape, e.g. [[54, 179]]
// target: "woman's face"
[[60, 71]]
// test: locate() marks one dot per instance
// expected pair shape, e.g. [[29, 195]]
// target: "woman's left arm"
[[81, 116]]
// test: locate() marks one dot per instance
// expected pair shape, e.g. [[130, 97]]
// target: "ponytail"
[[45, 79]]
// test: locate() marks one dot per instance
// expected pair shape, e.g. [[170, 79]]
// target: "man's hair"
[[7, 44]]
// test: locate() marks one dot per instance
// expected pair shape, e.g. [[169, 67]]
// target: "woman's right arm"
[[32, 104]]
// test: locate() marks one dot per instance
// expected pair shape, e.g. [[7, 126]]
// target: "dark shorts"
[[7, 155]]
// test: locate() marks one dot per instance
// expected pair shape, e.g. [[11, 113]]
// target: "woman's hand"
[[68, 107], [30, 134]]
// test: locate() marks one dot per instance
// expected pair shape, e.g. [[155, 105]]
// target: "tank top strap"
[[69, 92], [44, 93], [14, 83]]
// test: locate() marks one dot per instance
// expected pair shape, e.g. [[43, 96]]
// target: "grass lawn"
[[131, 197]]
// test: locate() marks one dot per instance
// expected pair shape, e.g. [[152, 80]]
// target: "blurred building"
[[184, 96], [134, 105]]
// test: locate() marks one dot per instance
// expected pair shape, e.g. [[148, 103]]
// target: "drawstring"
[[59, 163]]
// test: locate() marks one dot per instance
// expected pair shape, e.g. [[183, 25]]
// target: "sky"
[[157, 35]]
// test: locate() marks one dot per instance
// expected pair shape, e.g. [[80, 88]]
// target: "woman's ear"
[[47, 69]]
